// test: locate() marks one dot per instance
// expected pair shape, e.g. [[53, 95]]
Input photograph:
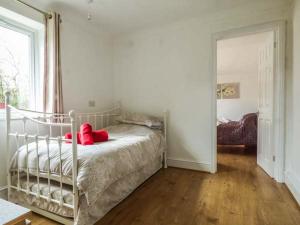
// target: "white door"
[[265, 149]]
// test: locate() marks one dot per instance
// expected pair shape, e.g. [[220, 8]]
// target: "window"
[[20, 64]]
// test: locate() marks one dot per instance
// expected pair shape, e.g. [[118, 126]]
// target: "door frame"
[[279, 28]]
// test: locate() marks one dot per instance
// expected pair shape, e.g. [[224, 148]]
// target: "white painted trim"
[[279, 102], [185, 164], [214, 162], [293, 184], [279, 27]]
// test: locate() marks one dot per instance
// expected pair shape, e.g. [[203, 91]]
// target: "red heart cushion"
[[100, 135], [69, 136], [86, 134]]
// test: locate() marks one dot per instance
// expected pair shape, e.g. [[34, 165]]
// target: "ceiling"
[[239, 56], [125, 15]]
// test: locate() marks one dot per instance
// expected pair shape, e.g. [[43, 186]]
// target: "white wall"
[[86, 67], [293, 151], [169, 67], [235, 109]]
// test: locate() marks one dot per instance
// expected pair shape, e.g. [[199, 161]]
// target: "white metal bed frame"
[[57, 124]]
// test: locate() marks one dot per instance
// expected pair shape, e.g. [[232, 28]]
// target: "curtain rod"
[[49, 16]]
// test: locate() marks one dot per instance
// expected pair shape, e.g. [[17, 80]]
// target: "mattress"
[[130, 149]]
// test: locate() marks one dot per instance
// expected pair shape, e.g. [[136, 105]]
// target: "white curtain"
[[53, 95]]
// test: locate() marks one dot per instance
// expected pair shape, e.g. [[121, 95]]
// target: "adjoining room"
[[247, 68]]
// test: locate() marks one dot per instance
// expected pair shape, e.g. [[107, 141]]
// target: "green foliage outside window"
[[8, 84]]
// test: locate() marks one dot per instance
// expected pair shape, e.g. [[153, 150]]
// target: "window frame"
[[36, 61]]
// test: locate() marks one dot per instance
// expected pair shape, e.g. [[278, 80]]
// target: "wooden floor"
[[239, 194]]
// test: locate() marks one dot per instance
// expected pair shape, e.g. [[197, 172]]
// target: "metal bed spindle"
[[8, 119], [102, 121], [24, 127], [60, 171], [61, 127], [48, 172], [80, 121], [88, 118], [18, 169], [27, 163], [50, 126], [38, 126], [74, 160], [37, 166]]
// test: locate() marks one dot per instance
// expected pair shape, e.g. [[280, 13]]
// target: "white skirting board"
[[185, 164], [293, 183]]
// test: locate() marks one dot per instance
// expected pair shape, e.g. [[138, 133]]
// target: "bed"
[[76, 184], [243, 132]]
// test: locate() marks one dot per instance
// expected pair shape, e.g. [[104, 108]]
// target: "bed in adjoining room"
[[78, 184]]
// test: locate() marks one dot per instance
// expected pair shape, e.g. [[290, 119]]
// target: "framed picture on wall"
[[219, 91], [228, 91]]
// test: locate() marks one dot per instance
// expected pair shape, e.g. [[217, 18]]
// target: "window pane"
[[15, 67]]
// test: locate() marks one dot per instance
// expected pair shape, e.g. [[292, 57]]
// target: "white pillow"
[[141, 119], [223, 120]]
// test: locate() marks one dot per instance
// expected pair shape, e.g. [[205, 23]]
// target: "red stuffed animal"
[[69, 136], [100, 135], [87, 136]]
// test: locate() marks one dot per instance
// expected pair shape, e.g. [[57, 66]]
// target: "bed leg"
[[165, 160]]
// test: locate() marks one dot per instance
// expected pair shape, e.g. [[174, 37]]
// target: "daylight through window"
[[15, 67]]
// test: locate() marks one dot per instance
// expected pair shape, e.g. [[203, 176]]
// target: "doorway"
[[248, 73]]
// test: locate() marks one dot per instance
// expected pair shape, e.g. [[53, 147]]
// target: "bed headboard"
[[53, 125]]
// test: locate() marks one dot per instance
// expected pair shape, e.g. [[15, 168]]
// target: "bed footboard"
[[43, 122]]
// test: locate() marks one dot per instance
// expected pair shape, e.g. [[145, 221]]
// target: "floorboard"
[[239, 194]]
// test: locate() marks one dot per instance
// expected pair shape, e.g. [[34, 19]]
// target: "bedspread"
[[129, 149]]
